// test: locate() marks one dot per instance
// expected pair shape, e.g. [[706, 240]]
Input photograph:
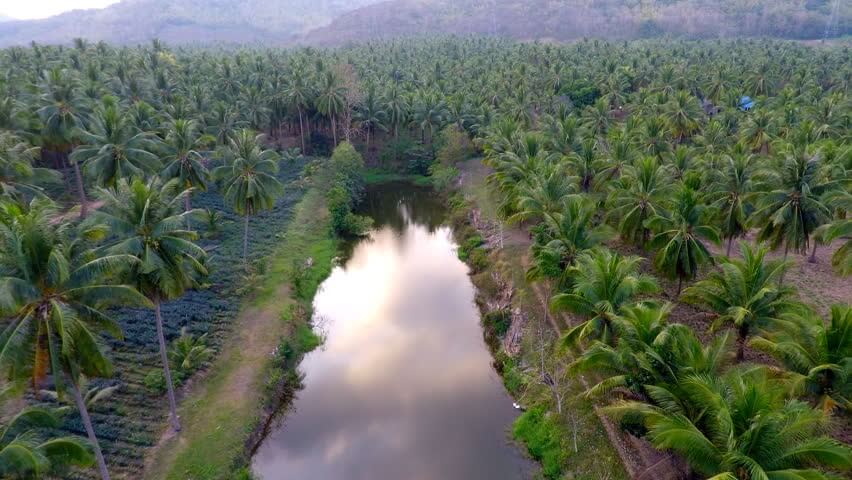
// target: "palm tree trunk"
[[679, 286], [167, 373], [87, 424], [187, 206], [302, 130], [730, 243], [396, 141], [334, 130], [81, 193], [812, 258], [784, 268], [245, 240], [741, 341]]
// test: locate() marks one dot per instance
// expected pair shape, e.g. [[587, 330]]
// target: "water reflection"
[[403, 387]]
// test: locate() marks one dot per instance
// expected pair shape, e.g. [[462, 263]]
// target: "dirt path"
[[234, 384], [218, 410]]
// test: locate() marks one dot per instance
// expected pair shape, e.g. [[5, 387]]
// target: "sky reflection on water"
[[403, 387]]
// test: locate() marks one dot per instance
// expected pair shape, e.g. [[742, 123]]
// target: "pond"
[[403, 387]]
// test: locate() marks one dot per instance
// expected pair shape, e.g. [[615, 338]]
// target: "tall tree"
[[331, 100], [790, 208], [731, 190], [183, 159], [113, 148], [61, 114], [144, 221], [679, 237], [247, 180], [299, 96], [636, 197], [18, 173], [57, 297]]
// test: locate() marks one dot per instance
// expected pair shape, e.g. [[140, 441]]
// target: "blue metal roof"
[[746, 103]]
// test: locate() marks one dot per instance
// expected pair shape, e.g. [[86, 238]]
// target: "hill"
[[334, 22], [183, 22], [572, 19]]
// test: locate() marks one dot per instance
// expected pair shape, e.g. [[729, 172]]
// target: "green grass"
[[375, 176], [217, 416], [543, 435]]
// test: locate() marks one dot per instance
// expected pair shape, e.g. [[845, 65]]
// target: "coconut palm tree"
[[818, 356], [759, 131], [585, 164], [650, 351], [620, 153], [18, 175], [654, 136], [112, 148], [730, 193], [331, 100], [27, 451], [682, 114], [222, 122], [571, 231], [636, 197], [56, 296], [397, 108], [298, 94], [744, 294], [542, 195], [596, 117], [247, 180], [744, 429], [430, 112], [604, 282], [370, 114], [144, 222], [680, 236], [181, 154], [791, 206], [61, 114]]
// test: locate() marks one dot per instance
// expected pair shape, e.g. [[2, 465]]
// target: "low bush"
[[155, 381], [513, 378], [454, 146], [346, 191], [498, 321], [542, 435]]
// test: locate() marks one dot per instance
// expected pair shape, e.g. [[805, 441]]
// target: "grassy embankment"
[[221, 412], [571, 445], [374, 176]]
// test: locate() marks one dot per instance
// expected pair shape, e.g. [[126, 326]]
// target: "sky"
[[30, 9]]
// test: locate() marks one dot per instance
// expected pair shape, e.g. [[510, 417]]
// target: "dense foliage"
[[647, 140]]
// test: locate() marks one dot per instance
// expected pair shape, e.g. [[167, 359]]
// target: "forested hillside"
[[573, 19], [183, 21], [282, 22]]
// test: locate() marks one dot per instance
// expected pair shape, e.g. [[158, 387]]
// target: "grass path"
[[219, 411]]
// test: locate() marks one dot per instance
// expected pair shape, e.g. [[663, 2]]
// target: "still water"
[[403, 388]]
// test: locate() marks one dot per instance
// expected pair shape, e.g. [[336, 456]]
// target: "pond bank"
[[574, 443], [220, 412], [403, 376]]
